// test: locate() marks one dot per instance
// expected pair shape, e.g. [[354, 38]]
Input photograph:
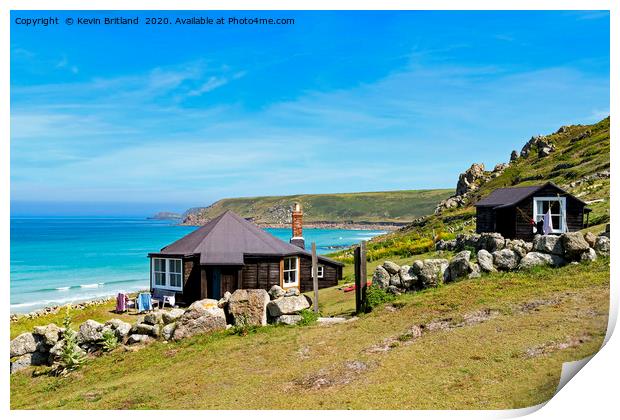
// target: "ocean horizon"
[[57, 260]]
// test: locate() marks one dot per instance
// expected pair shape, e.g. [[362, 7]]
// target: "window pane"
[[175, 266], [175, 280], [160, 279], [556, 222], [555, 207]]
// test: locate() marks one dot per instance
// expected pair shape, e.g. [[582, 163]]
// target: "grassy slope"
[[479, 366], [573, 159], [388, 206]]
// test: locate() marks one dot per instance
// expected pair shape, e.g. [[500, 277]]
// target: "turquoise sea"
[[55, 260]]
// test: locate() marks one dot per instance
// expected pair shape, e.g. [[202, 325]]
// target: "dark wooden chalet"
[[517, 211], [230, 253]]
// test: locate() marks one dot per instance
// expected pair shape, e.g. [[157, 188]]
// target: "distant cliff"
[[165, 215], [368, 209]]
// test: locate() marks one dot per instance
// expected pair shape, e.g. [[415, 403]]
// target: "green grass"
[[482, 366], [372, 207]]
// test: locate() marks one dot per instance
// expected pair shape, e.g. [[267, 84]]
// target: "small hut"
[[230, 253], [516, 212]]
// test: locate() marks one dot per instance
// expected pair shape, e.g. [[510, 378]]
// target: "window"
[[290, 276], [557, 206], [176, 273], [159, 271], [319, 270], [168, 273]]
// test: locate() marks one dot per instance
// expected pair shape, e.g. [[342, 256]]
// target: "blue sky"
[[139, 119]]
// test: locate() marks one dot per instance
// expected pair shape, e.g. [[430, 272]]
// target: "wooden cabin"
[[515, 212], [230, 253]]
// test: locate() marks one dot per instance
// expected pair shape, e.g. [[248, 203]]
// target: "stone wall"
[[244, 307], [492, 253]]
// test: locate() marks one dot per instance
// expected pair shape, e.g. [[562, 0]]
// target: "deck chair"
[[161, 297], [123, 303]]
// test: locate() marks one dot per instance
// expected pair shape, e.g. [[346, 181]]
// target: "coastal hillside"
[[574, 157], [388, 207]]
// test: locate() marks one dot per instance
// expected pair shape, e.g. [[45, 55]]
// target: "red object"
[[352, 288]]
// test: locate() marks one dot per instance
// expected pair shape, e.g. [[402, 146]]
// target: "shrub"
[[376, 296], [308, 317], [109, 341], [71, 356], [242, 327]]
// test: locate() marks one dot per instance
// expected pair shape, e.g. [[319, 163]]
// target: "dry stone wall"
[[492, 253]]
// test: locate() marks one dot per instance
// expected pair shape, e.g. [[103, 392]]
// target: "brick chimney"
[[298, 234]]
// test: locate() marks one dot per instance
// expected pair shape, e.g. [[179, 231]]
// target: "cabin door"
[[214, 291], [229, 281]]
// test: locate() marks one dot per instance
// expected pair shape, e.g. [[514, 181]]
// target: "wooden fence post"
[[360, 278], [315, 278]]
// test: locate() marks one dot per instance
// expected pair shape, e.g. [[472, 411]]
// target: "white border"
[[593, 393]]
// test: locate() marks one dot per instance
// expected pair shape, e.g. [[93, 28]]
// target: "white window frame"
[[285, 284], [320, 271], [562, 214], [167, 277]]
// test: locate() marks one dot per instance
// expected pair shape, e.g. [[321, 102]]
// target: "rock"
[[50, 334], [276, 292], [590, 239], [138, 339], [514, 156], [518, 245], [589, 255], [395, 280], [545, 151], [293, 291], [459, 266], [474, 271], [393, 290], [430, 272], [90, 332], [172, 315], [21, 363], [407, 278], [23, 344], [492, 241], [467, 180], [601, 246], [249, 306], [287, 305], [57, 349], [168, 331], [146, 329], [153, 318], [533, 259], [391, 267], [120, 328], [500, 167], [574, 245], [485, 259], [381, 278], [287, 319], [541, 143], [505, 259], [549, 244], [202, 316], [334, 320]]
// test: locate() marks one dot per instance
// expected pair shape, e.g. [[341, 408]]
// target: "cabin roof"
[[226, 239], [507, 197]]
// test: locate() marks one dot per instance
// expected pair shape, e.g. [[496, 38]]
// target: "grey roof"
[[226, 239], [506, 197]]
